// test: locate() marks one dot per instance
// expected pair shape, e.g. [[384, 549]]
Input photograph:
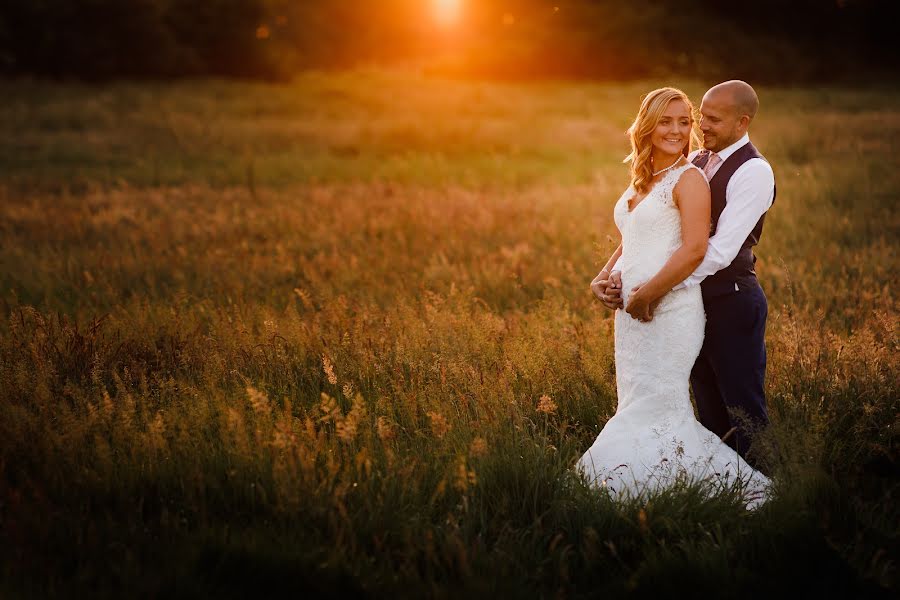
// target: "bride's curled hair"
[[652, 107]]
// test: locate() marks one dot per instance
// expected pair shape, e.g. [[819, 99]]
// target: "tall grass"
[[337, 337]]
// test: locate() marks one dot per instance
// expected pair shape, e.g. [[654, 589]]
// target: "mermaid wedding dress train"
[[654, 438]]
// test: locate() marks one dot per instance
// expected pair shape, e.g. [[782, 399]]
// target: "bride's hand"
[[614, 291], [608, 289], [639, 306]]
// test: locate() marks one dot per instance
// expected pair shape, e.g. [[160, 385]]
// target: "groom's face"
[[720, 122]]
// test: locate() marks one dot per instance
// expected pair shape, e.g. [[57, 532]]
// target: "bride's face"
[[673, 131]]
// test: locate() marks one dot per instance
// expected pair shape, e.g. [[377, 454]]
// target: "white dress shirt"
[[750, 193]]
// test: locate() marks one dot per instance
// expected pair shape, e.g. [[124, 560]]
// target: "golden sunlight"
[[446, 12]]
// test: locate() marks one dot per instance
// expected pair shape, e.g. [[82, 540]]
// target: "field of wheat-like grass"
[[336, 337]]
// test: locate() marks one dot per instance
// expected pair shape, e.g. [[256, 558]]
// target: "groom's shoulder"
[[756, 170], [693, 154], [756, 157], [758, 166]]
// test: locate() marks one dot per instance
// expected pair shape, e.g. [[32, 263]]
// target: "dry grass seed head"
[[546, 405]]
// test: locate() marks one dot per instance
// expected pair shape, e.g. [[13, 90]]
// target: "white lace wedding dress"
[[654, 437]]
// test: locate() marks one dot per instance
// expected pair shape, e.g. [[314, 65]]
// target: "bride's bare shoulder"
[[692, 176], [691, 183]]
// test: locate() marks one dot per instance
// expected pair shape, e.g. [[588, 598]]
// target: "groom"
[[728, 377]]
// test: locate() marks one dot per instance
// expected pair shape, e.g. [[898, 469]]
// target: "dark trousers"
[[730, 371]]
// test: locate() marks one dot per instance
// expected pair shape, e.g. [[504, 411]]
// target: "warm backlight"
[[446, 12]]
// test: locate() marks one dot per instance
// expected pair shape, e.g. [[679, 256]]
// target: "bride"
[[654, 440]]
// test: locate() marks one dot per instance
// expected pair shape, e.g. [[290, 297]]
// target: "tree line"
[[766, 40]]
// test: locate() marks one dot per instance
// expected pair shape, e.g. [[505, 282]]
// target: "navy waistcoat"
[[740, 271]]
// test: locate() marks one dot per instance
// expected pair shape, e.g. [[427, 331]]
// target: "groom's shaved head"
[[726, 112], [737, 93]]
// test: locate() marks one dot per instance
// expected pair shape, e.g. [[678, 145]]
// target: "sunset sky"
[[446, 12]]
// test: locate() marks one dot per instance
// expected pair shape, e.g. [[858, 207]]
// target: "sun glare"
[[446, 12]]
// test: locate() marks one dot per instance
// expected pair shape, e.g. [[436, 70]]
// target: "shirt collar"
[[724, 154]]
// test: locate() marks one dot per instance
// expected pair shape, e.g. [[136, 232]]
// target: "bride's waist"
[[672, 297], [637, 276], [627, 285], [643, 269]]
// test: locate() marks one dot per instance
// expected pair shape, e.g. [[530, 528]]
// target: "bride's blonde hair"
[[652, 107]]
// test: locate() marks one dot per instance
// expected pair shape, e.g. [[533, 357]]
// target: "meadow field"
[[335, 337]]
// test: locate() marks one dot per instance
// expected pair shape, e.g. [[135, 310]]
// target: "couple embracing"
[[689, 309]]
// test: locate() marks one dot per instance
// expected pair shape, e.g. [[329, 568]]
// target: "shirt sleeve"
[[750, 193]]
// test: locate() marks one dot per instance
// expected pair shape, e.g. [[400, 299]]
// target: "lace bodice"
[[651, 232]]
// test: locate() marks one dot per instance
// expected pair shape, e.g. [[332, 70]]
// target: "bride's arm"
[[609, 265], [691, 195], [613, 260]]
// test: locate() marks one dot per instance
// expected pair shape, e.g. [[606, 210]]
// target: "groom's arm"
[[750, 194]]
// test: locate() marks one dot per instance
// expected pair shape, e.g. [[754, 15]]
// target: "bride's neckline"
[[669, 172]]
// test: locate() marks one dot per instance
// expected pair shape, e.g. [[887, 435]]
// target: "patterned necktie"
[[711, 164]]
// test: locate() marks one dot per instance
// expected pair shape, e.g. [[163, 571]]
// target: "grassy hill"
[[293, 337]]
